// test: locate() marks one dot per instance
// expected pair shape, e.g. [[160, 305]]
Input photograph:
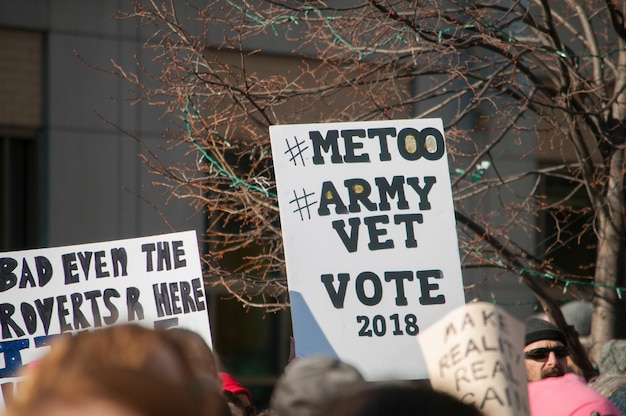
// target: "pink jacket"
[[568, 395]]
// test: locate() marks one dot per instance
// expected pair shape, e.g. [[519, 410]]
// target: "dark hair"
[[395, 399]]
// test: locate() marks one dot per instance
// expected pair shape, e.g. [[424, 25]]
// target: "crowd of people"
[[130, 370]]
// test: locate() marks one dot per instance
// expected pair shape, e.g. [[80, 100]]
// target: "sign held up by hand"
[[152, 281], [475, 354], [370, 238]]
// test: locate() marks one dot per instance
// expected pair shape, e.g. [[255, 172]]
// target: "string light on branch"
[[261, 183], [566, 282]]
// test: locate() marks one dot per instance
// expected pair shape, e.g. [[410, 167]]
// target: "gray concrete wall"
[[94, 185]]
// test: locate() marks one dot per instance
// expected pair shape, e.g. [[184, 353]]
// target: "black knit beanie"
[[539, 329]]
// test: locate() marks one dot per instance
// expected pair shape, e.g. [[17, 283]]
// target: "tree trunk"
[[608, 263]]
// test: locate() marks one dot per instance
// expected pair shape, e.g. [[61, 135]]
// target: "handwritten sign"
[[475, 354], [370, 239], [152, 281]]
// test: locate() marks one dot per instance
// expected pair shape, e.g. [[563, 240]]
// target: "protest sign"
[[370, 239], [475, 354], [151, 281]]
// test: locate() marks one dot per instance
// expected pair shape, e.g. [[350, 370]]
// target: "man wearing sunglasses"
[[546, 350], [552, 391]]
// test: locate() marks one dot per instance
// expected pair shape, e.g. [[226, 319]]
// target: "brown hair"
[[196, 352], [92, 359], [137, 391]]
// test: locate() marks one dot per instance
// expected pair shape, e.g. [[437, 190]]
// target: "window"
[[18, 193], [21, 97]]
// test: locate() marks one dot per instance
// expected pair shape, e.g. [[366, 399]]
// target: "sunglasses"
[[543, 353]]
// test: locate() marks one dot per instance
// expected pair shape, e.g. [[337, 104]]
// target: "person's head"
[[613, 357], [546, 352], [197, 355], [117, 391], [383, 399], [124, 347], [231, 385], [613, 387], [309, 382], [578, 314], [236, 406]]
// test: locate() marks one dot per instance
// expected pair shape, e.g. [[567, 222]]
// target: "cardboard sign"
[[370, 239], [152, 281], [475, 354]]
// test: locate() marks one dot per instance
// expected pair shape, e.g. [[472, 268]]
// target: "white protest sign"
[[152, 281], [475, 354], [370, 239]]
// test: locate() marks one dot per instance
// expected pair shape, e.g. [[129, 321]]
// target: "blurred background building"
[[70, 171]]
